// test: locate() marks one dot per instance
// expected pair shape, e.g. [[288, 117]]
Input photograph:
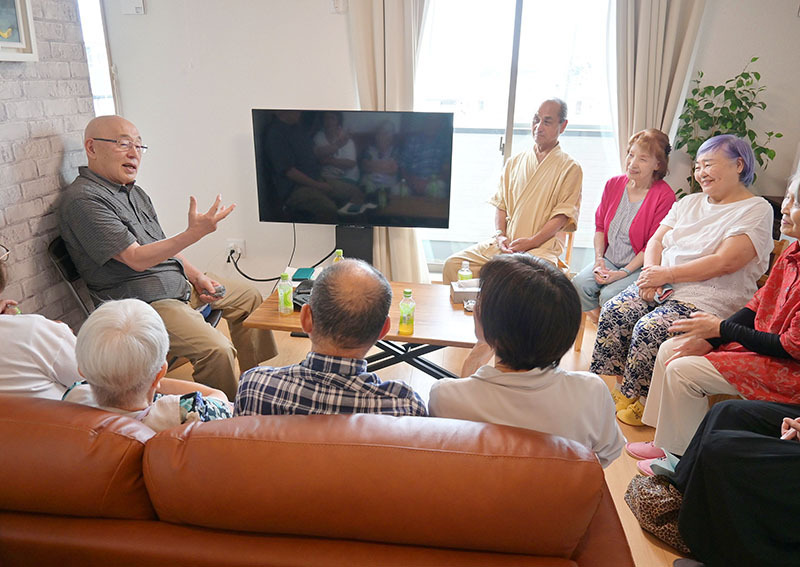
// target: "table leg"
[[394, 353]]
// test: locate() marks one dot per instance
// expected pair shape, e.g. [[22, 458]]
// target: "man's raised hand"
[[206, 223]]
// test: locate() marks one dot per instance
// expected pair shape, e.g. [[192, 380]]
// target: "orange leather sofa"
[[80, 486]]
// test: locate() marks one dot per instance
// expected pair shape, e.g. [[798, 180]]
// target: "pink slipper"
[[644, 467], [644, 450]]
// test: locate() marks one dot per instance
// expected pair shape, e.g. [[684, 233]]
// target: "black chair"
[[57, 251]]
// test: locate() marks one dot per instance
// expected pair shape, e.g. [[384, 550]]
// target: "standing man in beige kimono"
[[539, 195]]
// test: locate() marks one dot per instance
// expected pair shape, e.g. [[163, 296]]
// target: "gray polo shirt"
[[99, 219]]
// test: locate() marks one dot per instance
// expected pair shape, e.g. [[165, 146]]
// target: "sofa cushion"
[[69, 459], [408, 480]]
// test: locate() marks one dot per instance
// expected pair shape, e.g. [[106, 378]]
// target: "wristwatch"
[[626, 270], [497, 233]]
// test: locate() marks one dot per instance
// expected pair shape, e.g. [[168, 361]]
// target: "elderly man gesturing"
[[114, 237]]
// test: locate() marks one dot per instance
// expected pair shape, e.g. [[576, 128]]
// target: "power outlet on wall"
[[235, 246]]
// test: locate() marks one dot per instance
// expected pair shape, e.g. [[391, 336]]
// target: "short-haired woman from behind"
[[122, 351], [528, 313]]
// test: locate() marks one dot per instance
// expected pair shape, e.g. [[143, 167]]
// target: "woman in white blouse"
[[38, 355], [707, 255]]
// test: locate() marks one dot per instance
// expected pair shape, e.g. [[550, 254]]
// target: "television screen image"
[[353, 168]]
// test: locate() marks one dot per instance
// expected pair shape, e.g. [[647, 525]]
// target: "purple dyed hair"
[[734, 148]]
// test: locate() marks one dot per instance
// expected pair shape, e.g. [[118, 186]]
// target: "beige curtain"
[[384, 37], [655, 45]]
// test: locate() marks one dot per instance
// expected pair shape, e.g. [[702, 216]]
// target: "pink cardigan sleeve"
[[609, 203], [656, 205]]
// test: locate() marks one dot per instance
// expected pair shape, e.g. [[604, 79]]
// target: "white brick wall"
[[44, 106]]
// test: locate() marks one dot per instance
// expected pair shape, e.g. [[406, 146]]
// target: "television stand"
[[355, 241]]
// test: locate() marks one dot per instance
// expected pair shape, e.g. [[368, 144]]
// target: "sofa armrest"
[[69, 459], [604, 543]]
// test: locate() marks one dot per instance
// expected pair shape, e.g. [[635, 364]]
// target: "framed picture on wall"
[[17, 37]]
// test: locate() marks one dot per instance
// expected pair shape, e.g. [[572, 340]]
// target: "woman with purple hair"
[[706, 255]]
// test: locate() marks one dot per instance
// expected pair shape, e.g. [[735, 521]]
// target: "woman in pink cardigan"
[[629, 213]]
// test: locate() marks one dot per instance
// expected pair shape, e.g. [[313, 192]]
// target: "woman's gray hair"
[[794, 185], [120, 349]]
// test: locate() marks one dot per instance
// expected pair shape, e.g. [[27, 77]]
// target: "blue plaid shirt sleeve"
[[323, 385]]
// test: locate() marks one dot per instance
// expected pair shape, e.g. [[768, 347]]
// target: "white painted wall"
[[189, 72], [731, 33]]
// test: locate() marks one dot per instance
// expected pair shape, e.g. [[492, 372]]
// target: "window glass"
[[563, 53], [94, 37], [465, 66]]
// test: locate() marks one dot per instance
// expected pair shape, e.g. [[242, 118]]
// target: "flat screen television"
[[353, 168]]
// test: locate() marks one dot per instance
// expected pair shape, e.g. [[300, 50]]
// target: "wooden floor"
[[647, 550]]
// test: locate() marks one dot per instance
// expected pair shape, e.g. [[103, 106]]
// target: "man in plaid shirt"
[[347, 314]]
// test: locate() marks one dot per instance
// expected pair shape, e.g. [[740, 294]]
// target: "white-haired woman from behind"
[[121, 352]]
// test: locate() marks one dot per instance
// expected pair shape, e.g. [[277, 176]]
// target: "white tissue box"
[[464, 289]]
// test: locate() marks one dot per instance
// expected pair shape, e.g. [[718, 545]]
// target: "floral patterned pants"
[[629, 333]]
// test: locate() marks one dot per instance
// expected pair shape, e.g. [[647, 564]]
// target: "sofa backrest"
[[68, 459], [407, 480]]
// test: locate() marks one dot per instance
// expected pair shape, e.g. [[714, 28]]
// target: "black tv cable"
[[234, 259]]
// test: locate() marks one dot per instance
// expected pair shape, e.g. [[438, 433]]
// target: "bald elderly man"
[[539, 195], [113, 235], [347, 314]]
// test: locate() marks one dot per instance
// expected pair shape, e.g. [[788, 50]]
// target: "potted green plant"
[[723, 109]]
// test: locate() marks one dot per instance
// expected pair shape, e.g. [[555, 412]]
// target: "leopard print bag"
[[656, 504]]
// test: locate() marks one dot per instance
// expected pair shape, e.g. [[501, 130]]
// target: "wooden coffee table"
[[437, 324]]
